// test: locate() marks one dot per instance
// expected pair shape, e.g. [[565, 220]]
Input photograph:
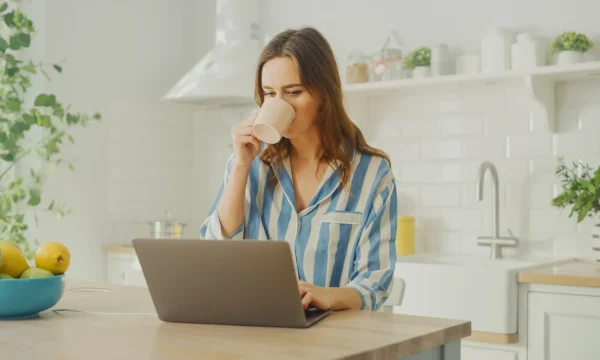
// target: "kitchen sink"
[[465, 287]]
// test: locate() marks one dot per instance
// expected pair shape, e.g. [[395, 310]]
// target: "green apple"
[[34, 272], [5, 276]]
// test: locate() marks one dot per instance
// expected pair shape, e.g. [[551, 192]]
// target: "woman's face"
[[281, 78]]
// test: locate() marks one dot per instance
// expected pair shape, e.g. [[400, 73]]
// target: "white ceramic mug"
[[273, 119]]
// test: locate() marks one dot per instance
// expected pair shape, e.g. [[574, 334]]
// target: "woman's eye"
[[269, 94], [295, 93]]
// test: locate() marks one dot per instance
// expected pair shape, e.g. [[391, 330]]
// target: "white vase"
[[525, 53], [495, 51], [421, 72], [569, 57]]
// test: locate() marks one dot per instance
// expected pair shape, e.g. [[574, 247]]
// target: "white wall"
[[437, 140], [120, 57], [461, 24]]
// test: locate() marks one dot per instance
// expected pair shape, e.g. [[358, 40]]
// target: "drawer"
[[477, 353]]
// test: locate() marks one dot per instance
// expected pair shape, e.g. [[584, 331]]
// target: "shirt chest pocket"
[[337, 230]]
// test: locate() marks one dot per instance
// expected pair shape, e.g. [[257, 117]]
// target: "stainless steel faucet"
[[495, 242]]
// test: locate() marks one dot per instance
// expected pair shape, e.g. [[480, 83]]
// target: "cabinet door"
[[477, 353], [563, 327], [116, 267]]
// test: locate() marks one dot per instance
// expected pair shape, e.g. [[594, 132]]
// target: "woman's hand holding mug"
[[268, 125]]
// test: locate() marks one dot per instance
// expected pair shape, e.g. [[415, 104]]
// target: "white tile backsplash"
[[457, 131], [444, 149], [570, 144], [527, 146], [440, 195], [484, 147], [151, 157], [589, 118], [504, 121], [462, 125], [414, 126], [419, 173]]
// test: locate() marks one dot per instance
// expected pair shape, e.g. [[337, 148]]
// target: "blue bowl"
[[26, 298]]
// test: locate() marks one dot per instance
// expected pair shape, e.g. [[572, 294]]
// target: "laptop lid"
[[231, 282]]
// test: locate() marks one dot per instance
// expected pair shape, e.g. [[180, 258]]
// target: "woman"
[[322, 188]]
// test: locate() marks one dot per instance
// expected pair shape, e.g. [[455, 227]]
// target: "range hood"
[[226, 74]]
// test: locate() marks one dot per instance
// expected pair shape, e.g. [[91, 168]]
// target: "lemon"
[[10, 243], [54, 257], [13, 261]]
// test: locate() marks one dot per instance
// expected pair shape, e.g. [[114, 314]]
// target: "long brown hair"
[[319, 75]]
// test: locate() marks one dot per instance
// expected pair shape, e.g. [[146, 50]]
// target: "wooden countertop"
[[571, 273], [141, 335]]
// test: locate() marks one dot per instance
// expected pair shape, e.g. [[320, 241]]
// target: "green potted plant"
[[581, 192], [570, 47], [43, 119], [419, 61]]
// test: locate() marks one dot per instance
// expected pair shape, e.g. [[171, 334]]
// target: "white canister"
[[525, 53], [468, 63], [495, 51], [440, 60]]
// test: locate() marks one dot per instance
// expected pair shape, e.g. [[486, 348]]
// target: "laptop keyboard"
[[312, 313]]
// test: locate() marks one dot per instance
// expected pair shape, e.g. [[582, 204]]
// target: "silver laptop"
[[228, 282]]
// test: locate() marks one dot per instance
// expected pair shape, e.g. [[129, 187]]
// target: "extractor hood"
[[226, 74]]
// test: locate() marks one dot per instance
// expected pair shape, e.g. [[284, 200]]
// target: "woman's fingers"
[[256, 144], [243, 130], [245, 139], [307, 299], [249, 120]]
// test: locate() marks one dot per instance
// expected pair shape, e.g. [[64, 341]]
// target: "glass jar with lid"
[[389, 64], [357, 70]]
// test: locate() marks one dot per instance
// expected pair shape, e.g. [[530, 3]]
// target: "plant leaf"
[[14, 42], [9, 19], [40, 100], [24, 39], [3, 7], [3, 45], [13, 105], [29, 68], [58, 68], [585, 210], [34, 197]]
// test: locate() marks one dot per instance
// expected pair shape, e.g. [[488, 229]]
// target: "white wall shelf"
[[539, 82]]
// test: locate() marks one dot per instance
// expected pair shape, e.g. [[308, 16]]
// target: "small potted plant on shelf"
[[581, 192], [419, 61], [570, 47]]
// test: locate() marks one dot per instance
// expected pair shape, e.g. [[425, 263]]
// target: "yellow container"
[[405, 236]]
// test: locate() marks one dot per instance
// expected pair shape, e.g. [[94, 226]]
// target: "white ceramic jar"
[[440, 60], [495, 51], [526, 53]]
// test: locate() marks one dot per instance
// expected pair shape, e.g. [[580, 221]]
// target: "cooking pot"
[[167, 228]]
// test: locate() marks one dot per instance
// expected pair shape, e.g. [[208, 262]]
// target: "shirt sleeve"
[[211, 229], [375, 254]]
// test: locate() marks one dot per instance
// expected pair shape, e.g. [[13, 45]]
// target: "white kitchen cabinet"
[[479, 353], [117, 265], [563, 326]]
